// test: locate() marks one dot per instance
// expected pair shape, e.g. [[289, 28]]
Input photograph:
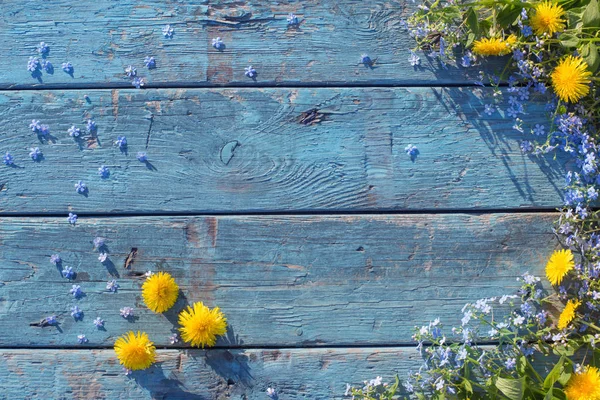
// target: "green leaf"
[[553, 376], [511, 388], [591, 16], [568, 40], [508, 15], [589, 52], [470, 39], [472, 21], [575, 17], [468, 386], [566, 375]]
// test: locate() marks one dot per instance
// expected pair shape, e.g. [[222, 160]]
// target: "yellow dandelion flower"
[[568, 314], [200, 325], [135, 351], [492, 46], [559, 264], [548, 18], [584, 385], [160, 292], [571, 79]]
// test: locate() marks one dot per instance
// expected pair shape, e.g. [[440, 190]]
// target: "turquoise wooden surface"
[[102, 38], [282, 281], [313, 301], [202, 375], [243, 150]]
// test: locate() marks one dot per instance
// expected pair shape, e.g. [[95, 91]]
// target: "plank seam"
[[468, 211], [291, 85], [220, 348]]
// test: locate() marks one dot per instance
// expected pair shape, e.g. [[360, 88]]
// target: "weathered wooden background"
[[324, 243]]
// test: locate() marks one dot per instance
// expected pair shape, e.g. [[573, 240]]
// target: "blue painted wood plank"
[[318, 374], [102, 38], [281, 281], [246, 150]]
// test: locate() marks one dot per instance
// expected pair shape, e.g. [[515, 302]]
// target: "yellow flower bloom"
[[160, 292], [548, 18], [559, 264], [568, 314], [571, 79], [584, 386], [493, 46], [135, 351], [200, 325]]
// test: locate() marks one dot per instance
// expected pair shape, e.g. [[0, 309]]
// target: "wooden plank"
[[215, 374], [243, 150], [282, 281], [102, 38]]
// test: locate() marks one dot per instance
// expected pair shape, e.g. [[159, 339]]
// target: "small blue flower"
[[99, 322], [72, 218], [55, 259], [466, 60], [81, 339], [44, 130], [112, 286], [174, 338], [91, 126], [47, 66], [68, 273], [142, 156], [98, 242], [539, 130], [272, 393], [540, 87], [414, 59], [50, 320], [74, 132], [167, 31], [76, 313], [526, 146], [511, 363], [412, 151], [121, 142], [150, 62], [523, 14], [103, 171], [138, 82], [365, 59], [43, 48], [292, 20], [34, 125], [33, 64], [512, 112], [526, 31], [130, 71], [126, 312], [67, 67], [250, 72], [489, 109], [76, 291], [8, 159], [217, 43], [81, 187], [35, 154]]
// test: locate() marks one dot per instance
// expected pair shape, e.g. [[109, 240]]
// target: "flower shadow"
[[160, 386]]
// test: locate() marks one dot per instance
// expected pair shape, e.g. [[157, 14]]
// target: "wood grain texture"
[[102, 38], [318, 374], [281, 281], [244, 150]]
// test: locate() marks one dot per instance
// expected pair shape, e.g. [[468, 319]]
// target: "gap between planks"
[[290, 85], [304, 213]]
